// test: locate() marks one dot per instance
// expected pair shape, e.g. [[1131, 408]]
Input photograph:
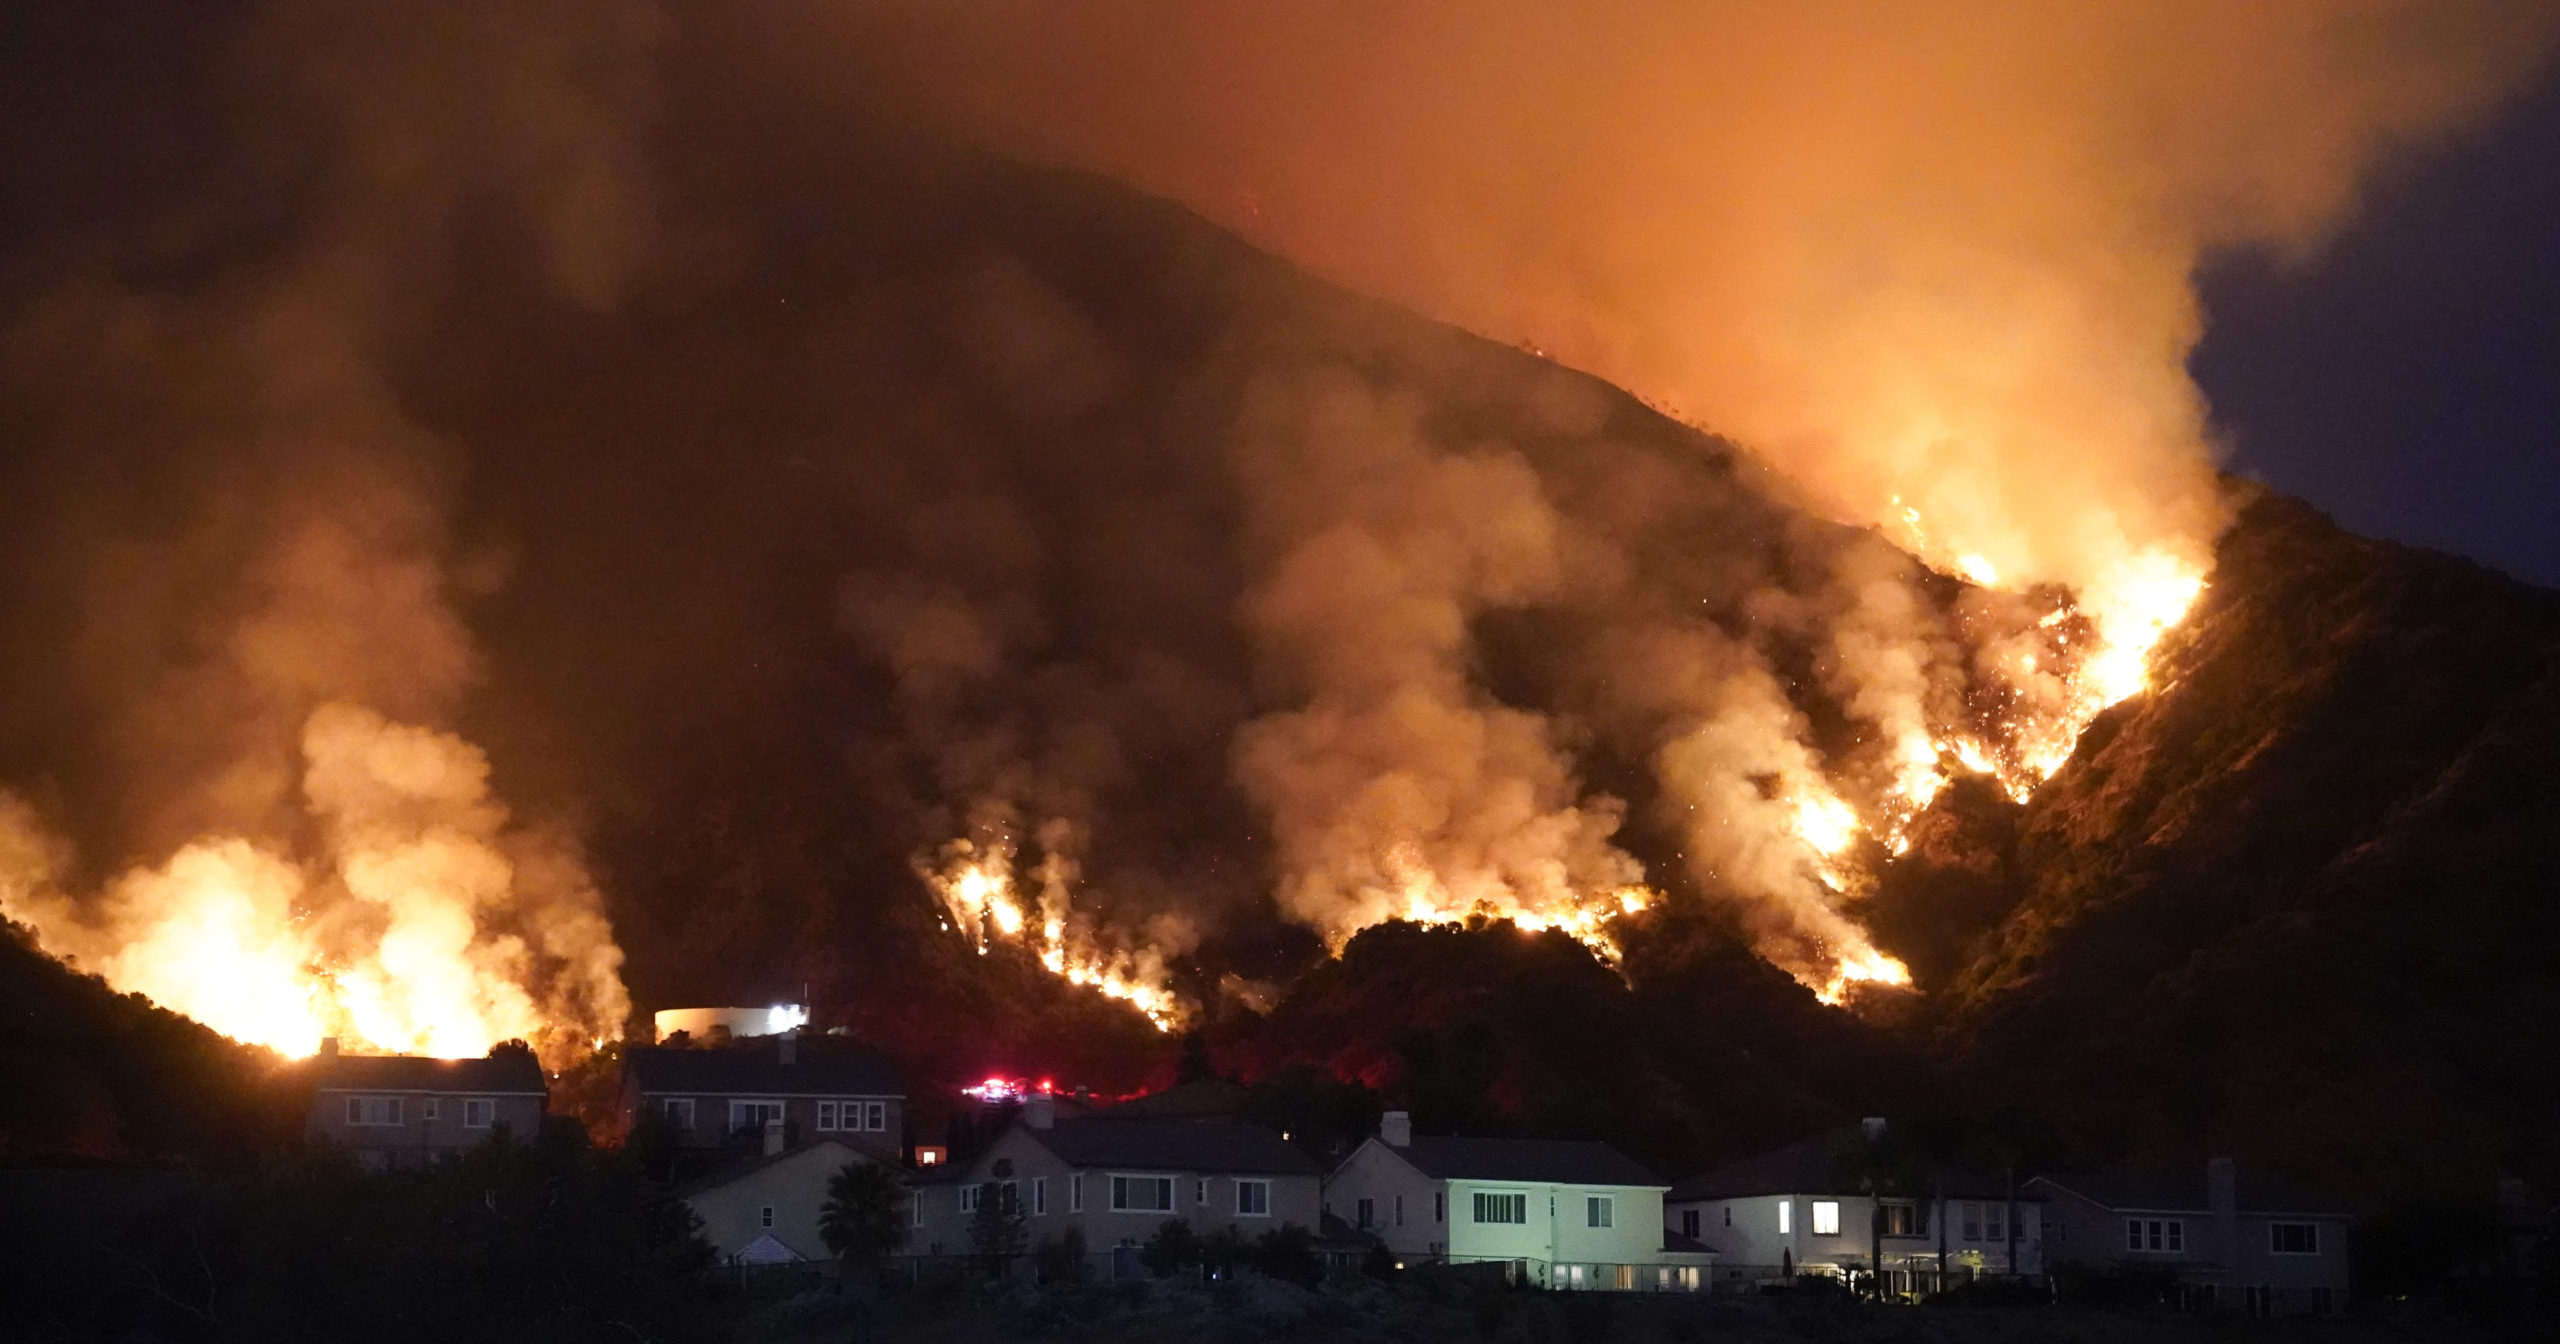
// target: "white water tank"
[[703, 1024]]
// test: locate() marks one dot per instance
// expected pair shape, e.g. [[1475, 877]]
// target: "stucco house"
[[2227, 1244], [1117, 1181], [766, 1211], [1562, 1213], [724, 1096], [1813, 1207], [409, 1110]]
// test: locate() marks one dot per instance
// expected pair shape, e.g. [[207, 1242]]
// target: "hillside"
[[2296, 902]]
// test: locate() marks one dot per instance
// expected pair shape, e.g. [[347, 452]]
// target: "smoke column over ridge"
[[1930, 260], [268, 642]]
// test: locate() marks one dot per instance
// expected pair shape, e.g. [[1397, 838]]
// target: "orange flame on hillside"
[[975, 880], [426, 926]]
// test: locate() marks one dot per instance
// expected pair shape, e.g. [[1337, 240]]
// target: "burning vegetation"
[[1144, 586]]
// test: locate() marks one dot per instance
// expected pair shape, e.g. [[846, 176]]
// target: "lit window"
[[1786, 1217], [1826, 1218], [1600, 1211], [1253, 1199], [479, 1113]]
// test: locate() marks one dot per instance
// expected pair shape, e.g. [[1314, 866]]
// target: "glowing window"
[[1826, 1218]]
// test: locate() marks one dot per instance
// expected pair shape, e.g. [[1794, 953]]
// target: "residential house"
[[765, 1212], [1562, 1213], [2228, 1245], [1824, 1206], [410, 1110], [725, 1096], [1117, 1181]]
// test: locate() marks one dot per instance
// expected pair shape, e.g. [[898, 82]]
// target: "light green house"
[[1568, 1214]]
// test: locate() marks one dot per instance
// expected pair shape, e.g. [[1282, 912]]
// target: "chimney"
[[328, 1047], [1873, 1127], [790, 1047], [772, 1137], [1396, 1127], [2222, 1193], [1040, 1111]]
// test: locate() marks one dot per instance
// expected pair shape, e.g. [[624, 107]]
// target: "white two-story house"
[[1561, 1213], [1117, 1182], [1815, 1207], [2227, 1246]]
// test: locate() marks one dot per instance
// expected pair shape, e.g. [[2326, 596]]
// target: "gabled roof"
[[507, 1075], [739, 1171], [2151, 1192], [757, 1069], [1812, 1167], [1548, 1161], [1171, 1145]]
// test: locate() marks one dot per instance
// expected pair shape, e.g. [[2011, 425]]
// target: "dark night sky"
[[2408, 379]]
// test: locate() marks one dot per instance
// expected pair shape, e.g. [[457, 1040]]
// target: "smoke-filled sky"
[[477, 475]]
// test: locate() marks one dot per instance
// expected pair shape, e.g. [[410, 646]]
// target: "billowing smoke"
[[272, 635], [1930, 260], [1109, 577]]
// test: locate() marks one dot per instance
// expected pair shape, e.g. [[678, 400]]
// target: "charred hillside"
[[2295, 901]]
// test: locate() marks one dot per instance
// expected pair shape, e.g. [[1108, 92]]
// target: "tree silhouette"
[[865, 1215]]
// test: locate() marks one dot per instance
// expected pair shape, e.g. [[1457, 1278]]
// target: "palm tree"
[[865, 1214]]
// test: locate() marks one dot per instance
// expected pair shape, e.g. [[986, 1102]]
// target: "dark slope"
[[2297, 901]]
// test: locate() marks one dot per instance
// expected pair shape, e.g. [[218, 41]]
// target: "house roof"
[[1549, 1161], [2153, 1192], [1206, 1099], [510, 1074], [756, 1069], [739, 1171], [1682, 1242], [1812, 1167], [1172, 1145]]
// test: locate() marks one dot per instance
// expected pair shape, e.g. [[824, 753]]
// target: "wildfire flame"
[[425, 928], [975, 880]]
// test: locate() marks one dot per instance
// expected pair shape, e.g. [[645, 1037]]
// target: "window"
[[1689, 1223], [1439, 1206], [427, 1110], [1624, 1279], [1039, 1196], [915, 1210], [1367, 1214], [1600, 1211], [875, 1115], [1826, 1217], [1075, 1193], [1786, 1217], [2293, 1238], [764, 1216], [2155, 1234], [2258, 1300], [679, 1112], [1399, 1210], [1995, 1226], [1142, 1194], [479, 1113], [1906, 1220], [968, 1199], [1728, 1215], [826, 1116], [373, 1110], [1972, 1222], [1200, 1194], [1496, 1208], [746, 1115], [1253, 1199]]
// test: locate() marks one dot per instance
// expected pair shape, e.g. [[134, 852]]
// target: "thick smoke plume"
[[1930, 260], [268, 643]]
